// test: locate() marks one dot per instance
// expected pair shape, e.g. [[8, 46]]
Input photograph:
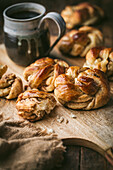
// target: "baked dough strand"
[[79, 42], [82, 14], [82, 88], [102, 59], [34, 104], [42, 73]]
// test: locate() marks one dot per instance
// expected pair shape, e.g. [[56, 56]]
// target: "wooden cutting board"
[[93, 129]]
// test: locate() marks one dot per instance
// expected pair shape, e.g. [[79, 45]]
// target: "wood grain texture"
[[90, 160]]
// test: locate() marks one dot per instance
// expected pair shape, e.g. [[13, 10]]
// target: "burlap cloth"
[[25, 147]]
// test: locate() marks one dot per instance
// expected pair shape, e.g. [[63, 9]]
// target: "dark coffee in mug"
[[24, 14]]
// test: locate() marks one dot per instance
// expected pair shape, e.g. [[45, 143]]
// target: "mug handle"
[[60, 24]]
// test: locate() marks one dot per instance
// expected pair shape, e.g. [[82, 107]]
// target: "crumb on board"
[[60, 119], [67, 121], [46, 131], [73, 116]]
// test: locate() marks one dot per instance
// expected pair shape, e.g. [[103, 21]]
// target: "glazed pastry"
[[3, 69], [102, 59], [10, 86], [82, 88], [43, 72], [34, 104], [79, 42], [81, 14]]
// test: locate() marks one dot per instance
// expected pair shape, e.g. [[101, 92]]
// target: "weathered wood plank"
[[71, 159], [90, 160]]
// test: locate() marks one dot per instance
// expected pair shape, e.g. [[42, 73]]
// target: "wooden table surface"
[[76, 157]]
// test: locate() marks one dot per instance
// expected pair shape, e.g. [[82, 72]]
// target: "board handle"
[[109, 155]]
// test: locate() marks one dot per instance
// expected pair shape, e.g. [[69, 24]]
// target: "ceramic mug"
[[26, 32]]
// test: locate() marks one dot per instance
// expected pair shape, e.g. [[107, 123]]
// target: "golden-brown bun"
[[102, 59], [3, 69], [79, 42], [82, 88], [43, 72], [34, 104], [81, 14], [10, 86]]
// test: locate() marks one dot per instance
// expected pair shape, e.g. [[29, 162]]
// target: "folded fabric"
[[22, 147]]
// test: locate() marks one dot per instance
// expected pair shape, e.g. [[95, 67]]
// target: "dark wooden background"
[[76, 157]]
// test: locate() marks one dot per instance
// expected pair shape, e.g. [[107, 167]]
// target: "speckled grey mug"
[[26, 32]]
